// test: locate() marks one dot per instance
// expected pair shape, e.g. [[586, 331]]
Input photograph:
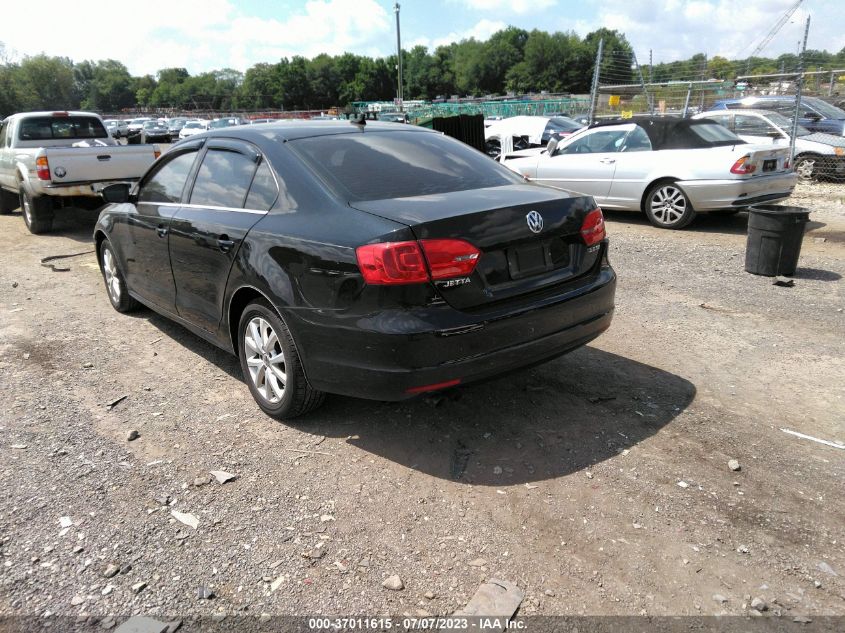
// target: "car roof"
[[664, 132], [291, 130], [759, 112]]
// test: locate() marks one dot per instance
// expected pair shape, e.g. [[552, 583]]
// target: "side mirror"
[[116, 193], [551, 146]]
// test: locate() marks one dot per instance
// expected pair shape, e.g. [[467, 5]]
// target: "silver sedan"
[[668, 168]]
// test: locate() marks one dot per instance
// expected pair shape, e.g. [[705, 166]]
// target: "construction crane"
[[771, 34]]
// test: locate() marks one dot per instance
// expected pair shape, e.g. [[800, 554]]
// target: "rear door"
[[586, 164], [233, 189]]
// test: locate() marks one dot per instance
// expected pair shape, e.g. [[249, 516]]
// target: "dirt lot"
[[599, 482]]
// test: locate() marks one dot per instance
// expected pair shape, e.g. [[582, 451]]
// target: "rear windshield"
[[714, 135], [827, 110], [380, 165], [71, 127]]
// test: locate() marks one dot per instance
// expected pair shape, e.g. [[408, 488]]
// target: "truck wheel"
[[8, 202], [37, 213]]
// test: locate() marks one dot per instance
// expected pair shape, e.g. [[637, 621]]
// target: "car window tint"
[[745, 124], [167, 182], [637, 141], [604, 141], [223, 179], [376, 165], [263, 192], [70, 127]]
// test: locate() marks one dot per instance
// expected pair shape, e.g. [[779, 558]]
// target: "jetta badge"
[[535, 221]]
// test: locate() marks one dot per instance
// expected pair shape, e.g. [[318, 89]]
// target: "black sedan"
[[376, 261], [155, 131]]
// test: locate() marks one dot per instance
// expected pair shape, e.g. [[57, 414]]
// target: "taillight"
[[742, 166], [42, 168], [592, 228], [391, 263], [450, 258]]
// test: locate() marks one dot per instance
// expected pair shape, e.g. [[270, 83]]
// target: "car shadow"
[[733, 224], [71, 222], [533, 425]]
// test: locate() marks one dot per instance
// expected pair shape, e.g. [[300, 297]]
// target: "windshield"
[[220, 123], [785, 124], [562, 124], [408, 164], [150, 124], [194, 124], [824, 108], [71, 127]]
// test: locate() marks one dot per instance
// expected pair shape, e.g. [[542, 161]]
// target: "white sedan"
[[668, 168], [193, 127], [816, 154]]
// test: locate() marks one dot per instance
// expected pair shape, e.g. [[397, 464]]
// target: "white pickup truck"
[[51, 160]]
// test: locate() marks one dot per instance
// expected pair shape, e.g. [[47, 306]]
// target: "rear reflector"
[[435, 387], [592, 229], [42, 168], [392, 263], [742, 167]]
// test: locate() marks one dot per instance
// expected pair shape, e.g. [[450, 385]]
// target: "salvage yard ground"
[[599, 482]]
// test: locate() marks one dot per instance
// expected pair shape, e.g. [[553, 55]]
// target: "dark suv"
[[815, 114]]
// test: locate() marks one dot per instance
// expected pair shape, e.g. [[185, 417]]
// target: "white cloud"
[[520, 7], [482, 30], [199, 35], [674, 30]]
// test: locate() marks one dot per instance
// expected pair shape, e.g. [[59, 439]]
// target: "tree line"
[[512, 60]]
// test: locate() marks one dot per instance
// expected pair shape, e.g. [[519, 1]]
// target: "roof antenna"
[[361, 120]]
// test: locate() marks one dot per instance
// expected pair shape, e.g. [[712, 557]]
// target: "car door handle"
[[607, 161], [161, 230], [225, 244]]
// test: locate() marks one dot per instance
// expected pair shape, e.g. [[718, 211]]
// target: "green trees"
[[511, 60]]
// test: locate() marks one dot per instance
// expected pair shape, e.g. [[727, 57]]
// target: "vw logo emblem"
[[60, 172], [535, 221]]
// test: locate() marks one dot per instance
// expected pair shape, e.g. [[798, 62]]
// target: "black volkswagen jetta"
[[376, 261]]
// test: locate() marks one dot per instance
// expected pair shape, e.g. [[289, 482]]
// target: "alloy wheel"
[[805, 168], [265, 359], [668, 204], [110, 273], [27, 208]]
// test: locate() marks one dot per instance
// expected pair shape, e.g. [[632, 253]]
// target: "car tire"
[[116, 288], [271, 365], [37, 213], [808, 166], [8, 202], [667, 206]]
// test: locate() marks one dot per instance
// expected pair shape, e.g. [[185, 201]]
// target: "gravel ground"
[[599, 483]]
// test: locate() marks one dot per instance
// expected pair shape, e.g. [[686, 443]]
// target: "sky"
[[203, 35]]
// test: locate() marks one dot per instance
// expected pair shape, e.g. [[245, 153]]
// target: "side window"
[[637, 141], [604, 141], [3, 127], [223, 179], [166, 184], [263, 192], [751, 125]]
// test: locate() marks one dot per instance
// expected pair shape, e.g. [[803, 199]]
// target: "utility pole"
[[398, 56], [594, 92], [799, 84]]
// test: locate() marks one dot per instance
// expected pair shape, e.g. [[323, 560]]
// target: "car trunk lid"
[[529, 237]]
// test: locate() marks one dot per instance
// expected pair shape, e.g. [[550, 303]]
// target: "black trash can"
[[775, 234]]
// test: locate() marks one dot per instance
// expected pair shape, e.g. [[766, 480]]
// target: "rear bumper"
[[710, 195], [383, 356], [88, 189]]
